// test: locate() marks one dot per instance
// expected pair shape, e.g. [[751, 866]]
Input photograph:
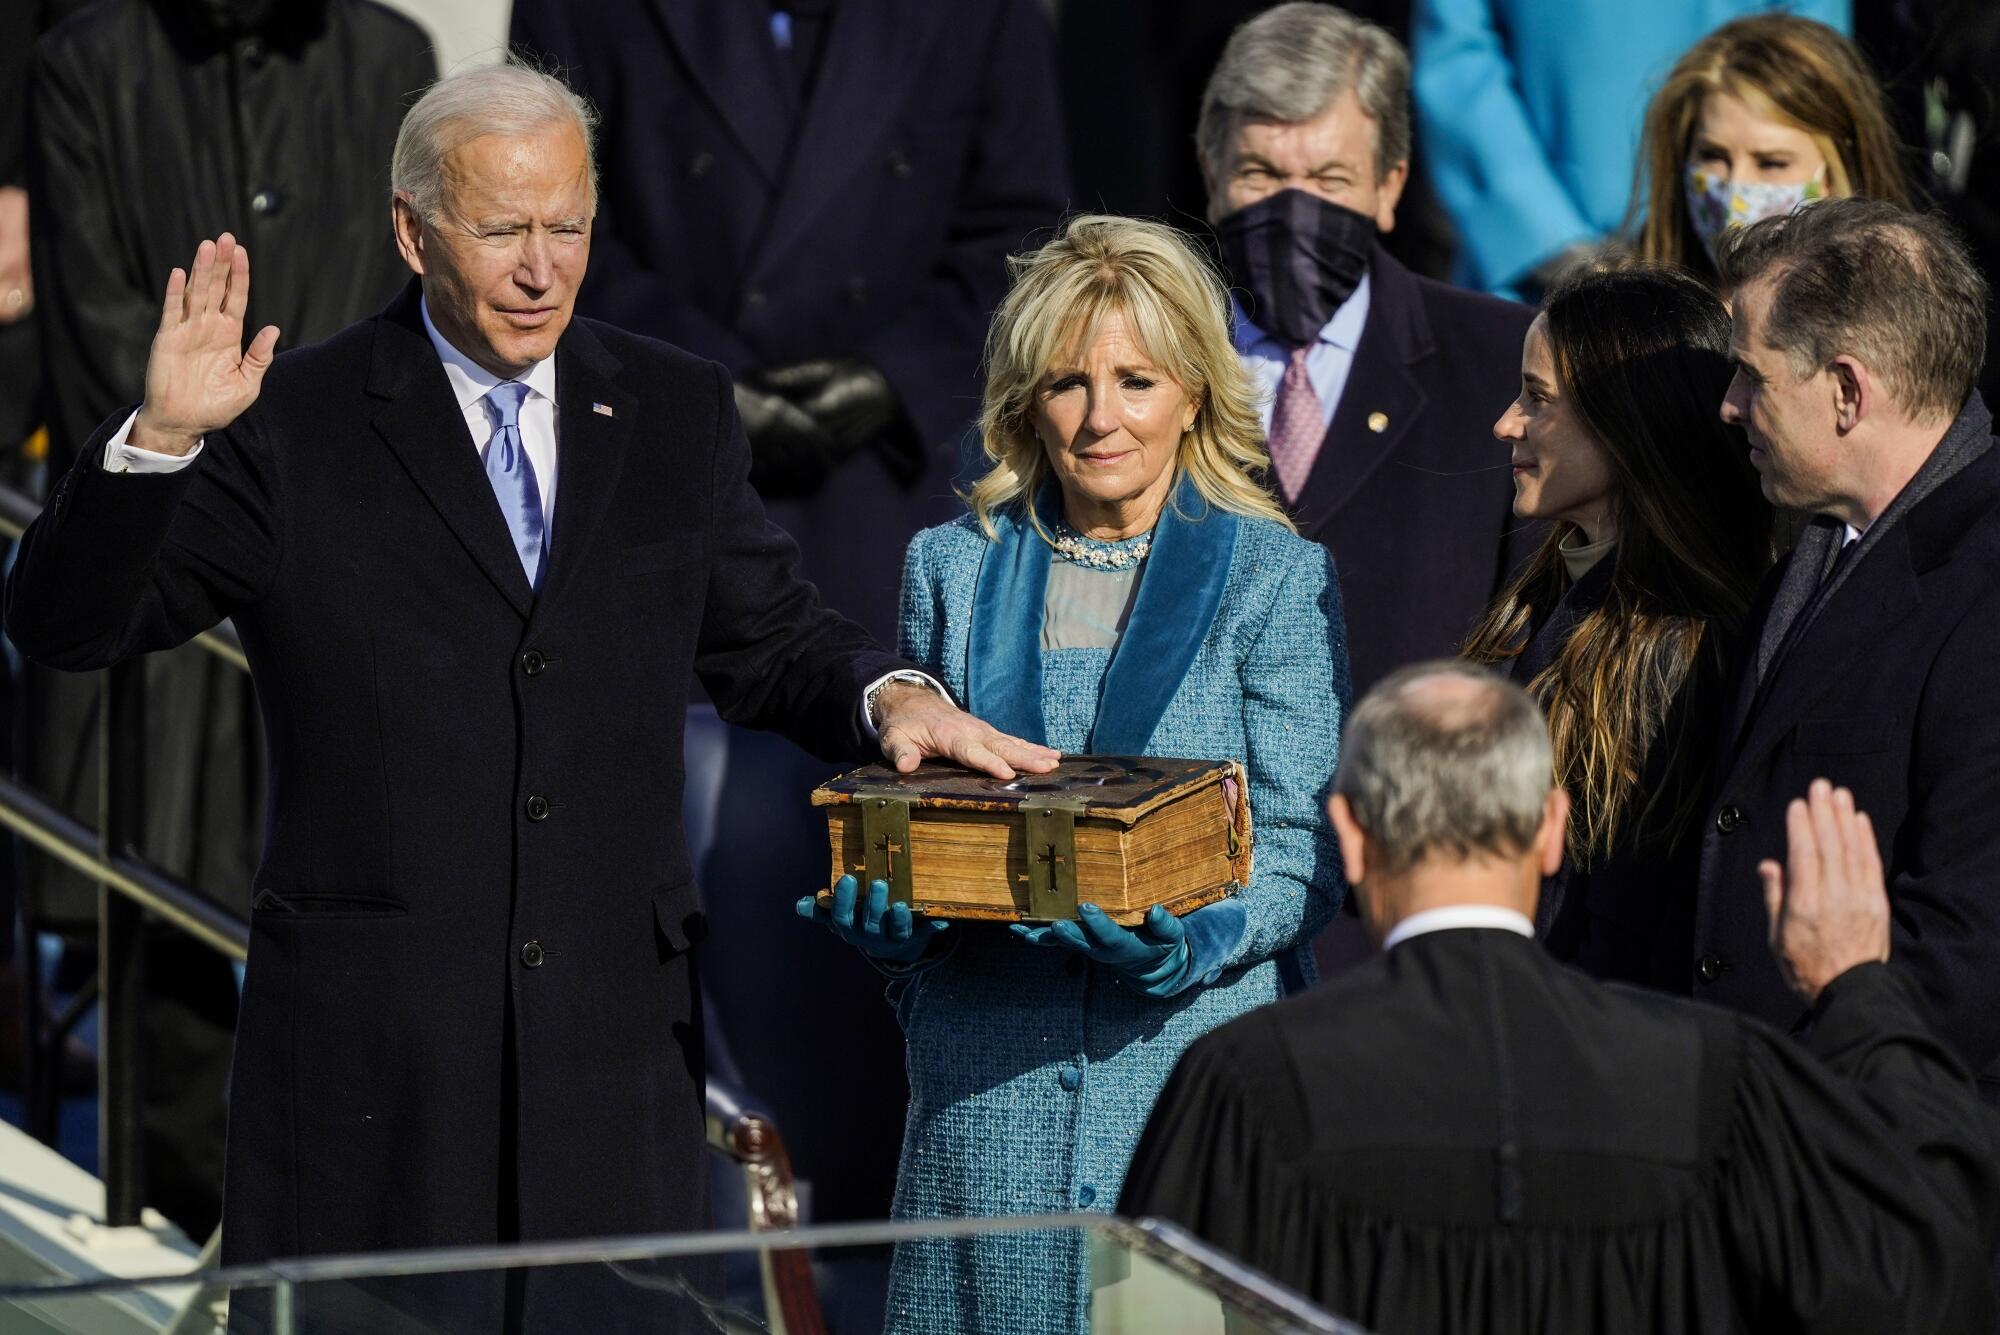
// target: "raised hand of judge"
[[199, 376], [874, 925], [1828, 904]]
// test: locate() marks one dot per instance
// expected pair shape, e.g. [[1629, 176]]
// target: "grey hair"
[[512, 99], [1463, 772], [1290, 63]]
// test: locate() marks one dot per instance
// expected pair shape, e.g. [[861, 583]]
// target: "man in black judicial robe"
[[1463, 1137], [470, 1011]]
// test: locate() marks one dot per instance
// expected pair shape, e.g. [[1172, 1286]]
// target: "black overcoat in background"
[[873, 221], [1411, 491], [471, 972], [1890, 692], [1463, 1137]]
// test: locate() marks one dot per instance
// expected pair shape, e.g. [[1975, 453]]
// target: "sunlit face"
[[502, 262], [1731, 139], [1332, 156], [1561, 469], [1792, 423], [1111, 422]]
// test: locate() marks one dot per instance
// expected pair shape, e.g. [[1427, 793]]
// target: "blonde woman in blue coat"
[[1123, 585]]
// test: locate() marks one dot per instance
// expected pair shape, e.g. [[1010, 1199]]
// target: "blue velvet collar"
[[1179, 592]]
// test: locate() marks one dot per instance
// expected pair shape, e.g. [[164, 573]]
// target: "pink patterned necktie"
[[1296, 426]]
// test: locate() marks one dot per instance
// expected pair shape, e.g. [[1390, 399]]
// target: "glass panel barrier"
[[1124, 1279]]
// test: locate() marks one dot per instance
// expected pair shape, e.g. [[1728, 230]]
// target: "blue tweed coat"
[[1032, 1071]]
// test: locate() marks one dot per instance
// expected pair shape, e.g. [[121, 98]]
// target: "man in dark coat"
[[470, 1009], [1465, 1137], [1384, 386], [1859, 329], [821, 195], [131, 105]]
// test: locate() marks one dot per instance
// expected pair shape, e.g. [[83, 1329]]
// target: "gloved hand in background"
[[886, 931], [852, 403], [790, 453], [1165, 955]]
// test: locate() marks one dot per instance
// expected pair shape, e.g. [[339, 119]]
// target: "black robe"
[[1464, 1137]]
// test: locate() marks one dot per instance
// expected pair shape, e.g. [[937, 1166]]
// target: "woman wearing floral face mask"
[[1762, 115]]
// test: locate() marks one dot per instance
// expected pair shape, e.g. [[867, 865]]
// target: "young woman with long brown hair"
[[1761, 115], [1619, 625]]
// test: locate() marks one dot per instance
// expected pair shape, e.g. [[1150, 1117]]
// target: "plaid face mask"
[[1716, 203]]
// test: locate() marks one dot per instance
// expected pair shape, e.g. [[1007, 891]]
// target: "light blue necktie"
[[512, 474]]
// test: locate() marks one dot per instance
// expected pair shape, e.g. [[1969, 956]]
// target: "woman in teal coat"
[[1123, 585]]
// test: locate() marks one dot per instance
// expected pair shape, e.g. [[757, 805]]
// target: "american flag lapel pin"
[[602, 408]]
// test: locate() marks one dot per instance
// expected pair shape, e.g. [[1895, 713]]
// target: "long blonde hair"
[[1178, 308], [1793, 70]]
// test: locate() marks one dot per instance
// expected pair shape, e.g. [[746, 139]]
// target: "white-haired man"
[[475, 549], [1462, 1135]]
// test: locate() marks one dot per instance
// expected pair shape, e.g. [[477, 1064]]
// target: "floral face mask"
[[1716, 203]]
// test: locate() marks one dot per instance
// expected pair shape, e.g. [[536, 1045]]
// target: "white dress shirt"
[[1327, 364], [470, 384], [1453, 916]]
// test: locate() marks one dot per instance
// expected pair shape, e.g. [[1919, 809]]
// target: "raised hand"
[[1828, 905], [199, 376]]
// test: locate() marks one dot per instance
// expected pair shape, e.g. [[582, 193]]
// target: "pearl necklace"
[[1079, 550]]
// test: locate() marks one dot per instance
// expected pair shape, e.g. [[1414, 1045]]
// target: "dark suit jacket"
[[1462, 1137], [470, 959], [1889, 691], [873, 222], [1420, 514]]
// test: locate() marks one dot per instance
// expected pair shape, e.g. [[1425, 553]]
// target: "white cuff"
[[868, 696], [121, 456]]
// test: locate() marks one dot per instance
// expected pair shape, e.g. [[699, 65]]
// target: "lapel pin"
[[605, 410], [1378, 422]]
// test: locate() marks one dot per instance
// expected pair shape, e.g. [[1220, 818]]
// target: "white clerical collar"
[[471, 382], [1343, 331], [1454, 916]]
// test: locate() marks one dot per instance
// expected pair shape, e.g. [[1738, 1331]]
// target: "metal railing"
[[130, 889]]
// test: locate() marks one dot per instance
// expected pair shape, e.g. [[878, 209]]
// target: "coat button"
[[1070, 1078], [698, 165], [755, 299], [538, 807], [532, 662], [855, 290], [1728, 820], [898, 163], [265, 203], [1086, 1195], [531, 954], [1710, 967]]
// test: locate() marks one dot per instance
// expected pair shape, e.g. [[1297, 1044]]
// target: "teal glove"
[[886, 931], [1163, 956]]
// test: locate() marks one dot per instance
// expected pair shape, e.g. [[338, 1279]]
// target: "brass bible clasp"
[[885, 842], [1051, 848]]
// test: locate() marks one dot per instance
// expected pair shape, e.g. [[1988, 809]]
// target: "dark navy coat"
[[470, 1011], [874, 221], [1410, 491]]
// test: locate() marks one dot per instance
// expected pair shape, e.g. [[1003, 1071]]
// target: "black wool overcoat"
[[470, 1008]]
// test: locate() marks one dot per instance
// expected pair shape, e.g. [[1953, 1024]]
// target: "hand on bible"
[[199, 376], [1828, 904], [884, 930], [918, 724]]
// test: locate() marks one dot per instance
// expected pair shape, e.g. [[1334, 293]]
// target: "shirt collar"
[[471, 382], [1454, 916], [1343, 331]]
